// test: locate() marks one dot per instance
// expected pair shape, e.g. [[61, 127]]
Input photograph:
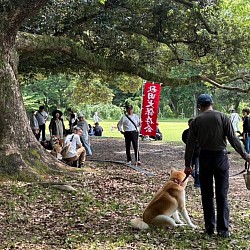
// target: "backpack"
[[66, 148]]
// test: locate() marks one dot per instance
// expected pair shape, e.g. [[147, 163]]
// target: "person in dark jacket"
[[246, 129], [211, 129], [97, 129], [195, 158], [56, 126]]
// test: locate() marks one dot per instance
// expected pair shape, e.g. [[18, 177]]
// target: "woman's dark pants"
[[131, 136]]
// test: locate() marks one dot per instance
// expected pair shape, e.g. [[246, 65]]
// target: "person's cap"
[[76, 128], [204, 98], [80, 115], [129, 107]]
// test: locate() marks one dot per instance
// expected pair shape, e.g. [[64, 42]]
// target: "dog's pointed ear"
[[172, 170]]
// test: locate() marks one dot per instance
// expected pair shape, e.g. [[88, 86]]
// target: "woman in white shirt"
[[128, 125]]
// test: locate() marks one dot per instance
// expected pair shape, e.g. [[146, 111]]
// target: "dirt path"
[[153, 154], [159, 157]]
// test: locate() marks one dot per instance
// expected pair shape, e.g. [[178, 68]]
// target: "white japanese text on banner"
[[150, 105]]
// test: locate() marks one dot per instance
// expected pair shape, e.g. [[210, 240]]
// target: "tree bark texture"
[[21, 156]]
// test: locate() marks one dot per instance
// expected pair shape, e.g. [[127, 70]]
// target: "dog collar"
[[178, 182]]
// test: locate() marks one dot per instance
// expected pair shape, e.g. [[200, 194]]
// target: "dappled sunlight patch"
[[97, 215]]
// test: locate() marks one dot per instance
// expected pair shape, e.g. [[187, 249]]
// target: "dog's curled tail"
[[139, 224]]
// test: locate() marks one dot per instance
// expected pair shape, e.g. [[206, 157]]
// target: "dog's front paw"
[[193, 226], [179, 222]]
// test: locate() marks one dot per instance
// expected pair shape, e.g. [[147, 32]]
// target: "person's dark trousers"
[[42, 129], [196, 171], [247, 142], [214, 165], [131, 136]]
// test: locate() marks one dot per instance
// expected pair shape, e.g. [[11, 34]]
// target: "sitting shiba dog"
[[166, 204]]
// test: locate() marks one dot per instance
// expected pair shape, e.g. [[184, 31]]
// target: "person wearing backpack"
[[246, 129], [73, 150]]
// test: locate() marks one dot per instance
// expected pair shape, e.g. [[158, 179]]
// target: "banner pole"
[[138, 141]]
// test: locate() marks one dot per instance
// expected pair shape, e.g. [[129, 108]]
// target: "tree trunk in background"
[[21, 156]]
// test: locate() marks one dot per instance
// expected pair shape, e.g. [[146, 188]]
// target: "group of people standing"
[[78, 127]]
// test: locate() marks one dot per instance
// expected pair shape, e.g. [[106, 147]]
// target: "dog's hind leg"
[[164, 220], [177, 218]]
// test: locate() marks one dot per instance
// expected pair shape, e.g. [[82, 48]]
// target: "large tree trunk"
[[21, 156]]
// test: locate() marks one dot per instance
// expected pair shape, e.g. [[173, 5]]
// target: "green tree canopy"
[[174, 42]]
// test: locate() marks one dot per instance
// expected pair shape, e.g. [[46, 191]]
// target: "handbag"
[[66, 148]]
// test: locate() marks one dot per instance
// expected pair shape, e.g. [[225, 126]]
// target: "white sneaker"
[[129, 163], [138, 163]]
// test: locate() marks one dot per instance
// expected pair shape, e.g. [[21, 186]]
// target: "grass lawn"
[[171, 130]]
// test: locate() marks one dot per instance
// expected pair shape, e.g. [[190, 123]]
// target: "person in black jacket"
[[246, 129], [56, 126], [195, 158], [97, 129], [211, 129]]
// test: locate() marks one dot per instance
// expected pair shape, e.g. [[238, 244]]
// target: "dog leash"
[[244, 170], [187, 175]]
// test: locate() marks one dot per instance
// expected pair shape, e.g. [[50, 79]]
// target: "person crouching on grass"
[[76, 153]]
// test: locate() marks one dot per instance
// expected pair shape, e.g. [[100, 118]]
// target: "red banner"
[[150, 105]]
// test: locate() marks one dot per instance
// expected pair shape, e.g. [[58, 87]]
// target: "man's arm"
[[119, 125], [45, 115], [234, 140]]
